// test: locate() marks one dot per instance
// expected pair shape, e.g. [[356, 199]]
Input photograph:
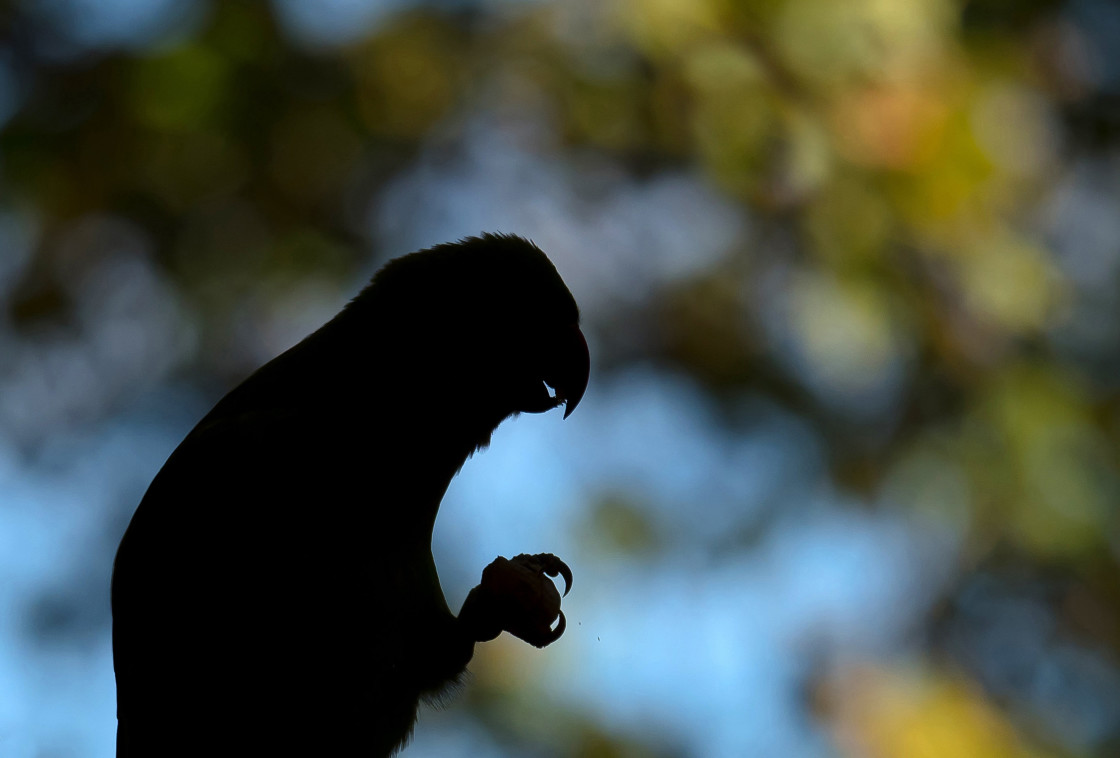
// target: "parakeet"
[[275, 592]]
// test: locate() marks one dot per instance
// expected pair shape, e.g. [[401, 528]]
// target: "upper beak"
[[569, 369]]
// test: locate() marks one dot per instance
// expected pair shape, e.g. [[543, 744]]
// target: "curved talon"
[[545, 640], [551, 565], [561, 625], [562, 569]]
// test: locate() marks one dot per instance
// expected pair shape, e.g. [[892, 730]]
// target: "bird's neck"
[[379, 407]]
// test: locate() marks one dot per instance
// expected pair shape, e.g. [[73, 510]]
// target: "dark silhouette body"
[[275, 593]]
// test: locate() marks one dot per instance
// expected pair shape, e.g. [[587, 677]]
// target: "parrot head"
[[488, 315]]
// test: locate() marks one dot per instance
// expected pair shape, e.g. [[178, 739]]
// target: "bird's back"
[[249, 591]]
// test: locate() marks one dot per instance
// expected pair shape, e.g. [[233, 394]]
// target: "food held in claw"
[[518, 597]]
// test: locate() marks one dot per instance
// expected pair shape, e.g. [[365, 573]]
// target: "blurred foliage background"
[[846, 479]]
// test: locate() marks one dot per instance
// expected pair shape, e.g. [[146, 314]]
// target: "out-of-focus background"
[[845, 481]]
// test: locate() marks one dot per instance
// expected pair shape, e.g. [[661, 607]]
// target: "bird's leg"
[[517, 596]]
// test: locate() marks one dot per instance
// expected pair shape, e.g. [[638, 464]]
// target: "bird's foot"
[[517, 597]]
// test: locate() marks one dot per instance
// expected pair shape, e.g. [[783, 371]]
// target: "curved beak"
[[570, 368]]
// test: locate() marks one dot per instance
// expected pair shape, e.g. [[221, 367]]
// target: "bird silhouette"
[[275, 592]]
